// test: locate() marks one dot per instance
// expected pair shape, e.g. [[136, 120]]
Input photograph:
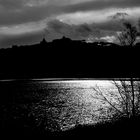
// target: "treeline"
[[66, 58]]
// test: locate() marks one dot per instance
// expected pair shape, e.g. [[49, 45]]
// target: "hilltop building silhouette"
[[43, 42]]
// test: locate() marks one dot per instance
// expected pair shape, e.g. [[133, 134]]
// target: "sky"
[[28, 21]]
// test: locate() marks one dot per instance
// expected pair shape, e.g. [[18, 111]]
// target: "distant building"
[[63, 39], [43, 42]]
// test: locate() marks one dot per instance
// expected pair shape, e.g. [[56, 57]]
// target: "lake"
[[56, 105]]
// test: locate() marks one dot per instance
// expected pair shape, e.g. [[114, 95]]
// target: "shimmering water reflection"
[[55, 105], [73, 102]]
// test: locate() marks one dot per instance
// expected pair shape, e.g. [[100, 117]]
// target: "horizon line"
[[66, 79]]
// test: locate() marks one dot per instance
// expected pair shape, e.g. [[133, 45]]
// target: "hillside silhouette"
[[68, 58]]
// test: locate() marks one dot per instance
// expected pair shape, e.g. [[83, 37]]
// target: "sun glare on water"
[[86, 83], [87, 86]]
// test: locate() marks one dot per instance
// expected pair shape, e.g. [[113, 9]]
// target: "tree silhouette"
[[129, 91], [125, 100], [128, 36]]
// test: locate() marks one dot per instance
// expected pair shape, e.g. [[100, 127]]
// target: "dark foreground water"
[[53, 106]]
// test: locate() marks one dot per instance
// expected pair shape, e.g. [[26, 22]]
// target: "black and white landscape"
[[69, 69]]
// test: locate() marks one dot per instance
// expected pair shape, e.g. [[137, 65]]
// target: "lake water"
[[52, 105]]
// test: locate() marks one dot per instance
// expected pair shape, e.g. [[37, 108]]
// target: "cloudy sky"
[[28, 21]]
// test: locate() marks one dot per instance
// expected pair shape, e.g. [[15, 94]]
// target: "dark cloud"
[[82, 31], [62, 29], [72, 31], [84, 28], [119, 15], [57, 26]]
